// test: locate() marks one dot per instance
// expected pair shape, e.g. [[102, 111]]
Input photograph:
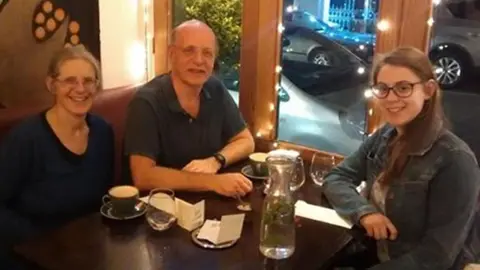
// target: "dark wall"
[[31, 31]]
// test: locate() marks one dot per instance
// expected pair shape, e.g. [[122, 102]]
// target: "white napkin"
[[322, 214], [229, 228]]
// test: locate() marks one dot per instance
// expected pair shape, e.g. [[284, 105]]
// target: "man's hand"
[[208, 165], [232, 185], [379, 226]]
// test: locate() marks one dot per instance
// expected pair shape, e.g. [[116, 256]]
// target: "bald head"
[[192, 52], [189, 26]]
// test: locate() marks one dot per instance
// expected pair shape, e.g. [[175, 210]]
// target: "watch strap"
[[221, 159]]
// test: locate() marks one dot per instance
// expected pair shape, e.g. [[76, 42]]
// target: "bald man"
[[183, 127]]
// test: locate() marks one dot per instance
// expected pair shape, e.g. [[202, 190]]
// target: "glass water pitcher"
[[277, 232]]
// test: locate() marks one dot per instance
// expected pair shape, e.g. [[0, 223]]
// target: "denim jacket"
[[433, 204]]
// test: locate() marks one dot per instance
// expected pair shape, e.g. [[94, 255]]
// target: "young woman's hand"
[[379, 226]]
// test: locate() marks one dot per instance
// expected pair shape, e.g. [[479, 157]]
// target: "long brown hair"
[[422, 129]]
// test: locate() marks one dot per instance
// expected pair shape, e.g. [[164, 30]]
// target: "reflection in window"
[[454, 52], [327, 51], [454, 40], [224, 17]]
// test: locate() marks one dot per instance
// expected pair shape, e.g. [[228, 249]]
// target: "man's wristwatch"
[[221, 159]]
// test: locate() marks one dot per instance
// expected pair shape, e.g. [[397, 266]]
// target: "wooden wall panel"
[[248, 65], [260, 55], [392, 13], [162, 20], [415, 30]]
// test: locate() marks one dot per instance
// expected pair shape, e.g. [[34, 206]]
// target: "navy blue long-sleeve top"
[[43, 184]]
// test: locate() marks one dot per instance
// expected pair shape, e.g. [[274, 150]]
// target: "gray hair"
[[72, 53]]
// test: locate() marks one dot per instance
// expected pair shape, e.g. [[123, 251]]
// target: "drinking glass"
[[321, 166], [298, 177], [161, 213]]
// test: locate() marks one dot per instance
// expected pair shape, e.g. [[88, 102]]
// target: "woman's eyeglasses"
[[73, 82], [400, 89]]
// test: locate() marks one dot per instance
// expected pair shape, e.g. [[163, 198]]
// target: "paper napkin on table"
[[229, 228], [322, 214]]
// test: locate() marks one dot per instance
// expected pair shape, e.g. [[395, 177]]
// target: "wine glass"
[[161, 214], [298, 178], [321, 165]]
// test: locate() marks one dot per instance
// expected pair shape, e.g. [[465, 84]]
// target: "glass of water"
[[321, 165], [161, 213]]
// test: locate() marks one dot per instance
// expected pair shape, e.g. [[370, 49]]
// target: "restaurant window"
[[327, 51], [454, 51], [224, 17]]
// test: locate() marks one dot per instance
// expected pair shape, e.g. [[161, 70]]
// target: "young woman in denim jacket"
[[423, 182]]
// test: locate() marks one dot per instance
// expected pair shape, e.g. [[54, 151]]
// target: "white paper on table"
[[188, 216], [229, 228], [322, 214]]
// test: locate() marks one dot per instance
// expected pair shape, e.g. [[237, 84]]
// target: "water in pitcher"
[[277, 231]]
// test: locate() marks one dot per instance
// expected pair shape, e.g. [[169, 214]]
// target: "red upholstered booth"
[[110, 104]]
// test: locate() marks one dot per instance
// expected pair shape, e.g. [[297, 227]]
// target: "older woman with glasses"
[[421, 206], [56, 165]]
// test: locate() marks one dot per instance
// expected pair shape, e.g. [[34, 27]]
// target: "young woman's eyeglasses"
[[400, 89]]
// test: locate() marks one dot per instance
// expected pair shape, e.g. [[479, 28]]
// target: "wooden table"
[[93, 242]]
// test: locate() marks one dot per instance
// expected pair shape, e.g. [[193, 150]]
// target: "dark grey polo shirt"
[[157, 126]]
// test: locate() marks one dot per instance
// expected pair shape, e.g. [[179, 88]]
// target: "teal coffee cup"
[[122, 200], [258, 162]]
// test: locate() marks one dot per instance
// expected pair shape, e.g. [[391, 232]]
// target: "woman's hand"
[[379, 226]]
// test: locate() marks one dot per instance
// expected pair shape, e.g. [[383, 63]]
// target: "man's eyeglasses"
[[191, 51], [72, 82], [400, 89]]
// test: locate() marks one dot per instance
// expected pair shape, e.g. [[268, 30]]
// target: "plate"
[[106, 211], [207, 244], [248, 172]]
